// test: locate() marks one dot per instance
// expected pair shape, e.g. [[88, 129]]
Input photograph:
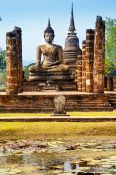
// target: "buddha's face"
[[49, 37]]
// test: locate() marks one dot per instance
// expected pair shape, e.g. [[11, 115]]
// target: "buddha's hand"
[[55, 63]]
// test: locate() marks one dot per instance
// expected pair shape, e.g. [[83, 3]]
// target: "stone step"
[[28, 110], [88, 103], [112, 97], [68, 105], [45, 103], [95, 101], [112, 100], [88, 106], [24, 110], [113, 104]]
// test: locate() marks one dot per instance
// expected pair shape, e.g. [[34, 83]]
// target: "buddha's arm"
[[60, 54], [38, 56]]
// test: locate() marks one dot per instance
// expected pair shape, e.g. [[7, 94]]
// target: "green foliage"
[[2, 59], [110, 46], [26, 71], [110, 67], [2, 67]]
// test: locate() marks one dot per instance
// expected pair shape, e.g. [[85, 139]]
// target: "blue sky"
[[32, 17]]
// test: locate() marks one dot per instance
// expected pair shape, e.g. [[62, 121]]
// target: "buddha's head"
[[49, 33]]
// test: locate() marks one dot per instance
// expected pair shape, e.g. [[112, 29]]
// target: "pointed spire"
[[72, 25], [72, 9], [49, 25], [49, 28]]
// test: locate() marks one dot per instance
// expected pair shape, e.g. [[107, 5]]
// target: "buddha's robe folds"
[[52, 59]]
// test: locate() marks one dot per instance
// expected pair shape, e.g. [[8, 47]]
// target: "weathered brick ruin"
[[79, 71], [89, 59], [14, 72], [99, 56], [72, 48], [86, 64], [93, 56]]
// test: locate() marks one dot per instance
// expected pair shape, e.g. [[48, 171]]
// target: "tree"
[[110, 46], [2, 59], [2, 67]]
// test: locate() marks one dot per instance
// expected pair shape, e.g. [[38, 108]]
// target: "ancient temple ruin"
[[79, 74], [87, 65], [14, 67], [71, 48]]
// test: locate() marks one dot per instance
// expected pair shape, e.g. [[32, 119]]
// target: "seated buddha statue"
[[52, 55]]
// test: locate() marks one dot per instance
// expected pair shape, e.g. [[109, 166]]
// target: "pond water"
[[58, 156]]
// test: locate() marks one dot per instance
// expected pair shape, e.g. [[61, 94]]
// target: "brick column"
[[18, 33], [79, 71], [13, 62], [84, 66], [99, 56], [89, 59]]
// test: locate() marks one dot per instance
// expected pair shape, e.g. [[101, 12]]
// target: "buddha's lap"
[[60, 67]]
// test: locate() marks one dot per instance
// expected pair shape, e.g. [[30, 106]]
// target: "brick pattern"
[[20, 65], [14, 73], [79, 71], [99, 56], [89, 59], [45, 103], [84, 66]]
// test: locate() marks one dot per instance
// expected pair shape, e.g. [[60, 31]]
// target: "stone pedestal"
[[84, 66], [89, 59], [79, 71], [99, 56], [63, 80], [14, 73]]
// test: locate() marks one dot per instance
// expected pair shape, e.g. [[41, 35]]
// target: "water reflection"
[[96, 157], [68, 168]]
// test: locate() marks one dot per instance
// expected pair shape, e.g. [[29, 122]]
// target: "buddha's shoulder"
[[47, 46], [58, 46], [41, 46]]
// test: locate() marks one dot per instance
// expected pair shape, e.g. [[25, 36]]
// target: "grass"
[[24, 130], [79, 114], [94, 114]]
